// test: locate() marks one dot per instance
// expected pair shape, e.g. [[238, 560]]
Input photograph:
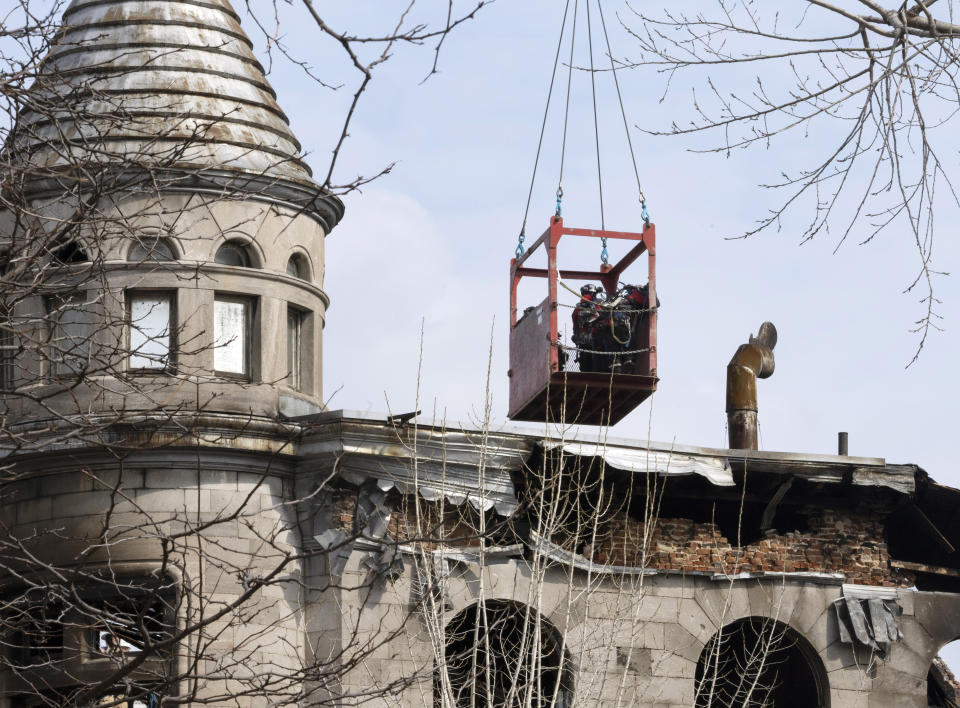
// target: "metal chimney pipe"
[[843, 444], [753, 360]]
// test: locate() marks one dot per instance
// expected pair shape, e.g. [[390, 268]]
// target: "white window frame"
[[141, 362], [247, 350]]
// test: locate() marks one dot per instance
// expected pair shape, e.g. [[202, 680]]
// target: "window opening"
[[758, 662], [124, 626], [295, 320], [504, 655], [69, 252], [233, 253], [942, 688], [297, 267], [8, 353], [152, 248], [69, 341], [145, 700], [231, 335], [151, 317], [34, 630]]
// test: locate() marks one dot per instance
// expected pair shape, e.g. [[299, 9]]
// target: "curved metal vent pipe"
[[753, 360]]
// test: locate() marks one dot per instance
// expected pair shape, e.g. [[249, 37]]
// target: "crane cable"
[[604, 256], [566, 112], [616, 82], [523, 229], [596, 129]]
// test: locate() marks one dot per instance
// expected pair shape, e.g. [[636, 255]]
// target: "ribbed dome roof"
[[171, 83]]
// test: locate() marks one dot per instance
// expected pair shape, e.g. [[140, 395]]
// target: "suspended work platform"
[[608, 364]]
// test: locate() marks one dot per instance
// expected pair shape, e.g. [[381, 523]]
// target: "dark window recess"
[[758, 662], [34, 631], [128, 626], [297, 267], [493, 659], [69, 252]]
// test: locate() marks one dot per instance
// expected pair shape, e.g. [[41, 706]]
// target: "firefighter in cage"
[[609, 331]]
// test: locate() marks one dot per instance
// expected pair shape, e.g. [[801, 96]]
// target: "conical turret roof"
[[166, 83]]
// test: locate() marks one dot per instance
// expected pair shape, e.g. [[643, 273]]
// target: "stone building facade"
[[181, 523]]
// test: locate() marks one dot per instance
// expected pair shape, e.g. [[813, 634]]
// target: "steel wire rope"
[[543, 127], [623, 113], [596, 131], [566, 112]]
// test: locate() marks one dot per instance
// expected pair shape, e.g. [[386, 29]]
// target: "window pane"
[[151, 249], [69, 335], [294, 345], [230, 336], [232, 254], [8, 353], [293, 267], [150, 328]]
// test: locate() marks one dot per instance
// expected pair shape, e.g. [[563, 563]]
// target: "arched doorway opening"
[[501, 654], [759, 662], [943, 689]]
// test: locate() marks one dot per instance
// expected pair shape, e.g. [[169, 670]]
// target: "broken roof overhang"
[[645, 460], [478, 466]]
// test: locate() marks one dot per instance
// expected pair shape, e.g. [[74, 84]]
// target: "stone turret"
[[162, 311]]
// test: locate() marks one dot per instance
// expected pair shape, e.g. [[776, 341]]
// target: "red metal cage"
[[541, 388]]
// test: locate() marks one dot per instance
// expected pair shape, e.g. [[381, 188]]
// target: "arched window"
[[69, 252], [233, 253], [297, 267], [505, 655], [757, 662], [942, 689], [151, 248]]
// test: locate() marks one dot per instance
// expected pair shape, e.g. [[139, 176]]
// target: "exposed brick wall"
[[848, 542], [836, 541], [457, 525]]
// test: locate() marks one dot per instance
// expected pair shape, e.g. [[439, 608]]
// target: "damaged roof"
[[478, 465]]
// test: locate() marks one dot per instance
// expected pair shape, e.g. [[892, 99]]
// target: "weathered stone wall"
[[216, 525]]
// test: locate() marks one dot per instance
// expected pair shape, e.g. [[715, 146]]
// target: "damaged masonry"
[[850, 559]]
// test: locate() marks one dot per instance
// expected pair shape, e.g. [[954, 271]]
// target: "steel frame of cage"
[[530, 382]]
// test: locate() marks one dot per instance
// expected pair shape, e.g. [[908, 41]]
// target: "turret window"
[[232, 330], [233, 253], [69, 252], [297, 267], [295, 358], [151, 316], [151, 248], [69, 342]]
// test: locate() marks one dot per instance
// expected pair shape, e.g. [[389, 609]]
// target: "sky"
[[418, 269]]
